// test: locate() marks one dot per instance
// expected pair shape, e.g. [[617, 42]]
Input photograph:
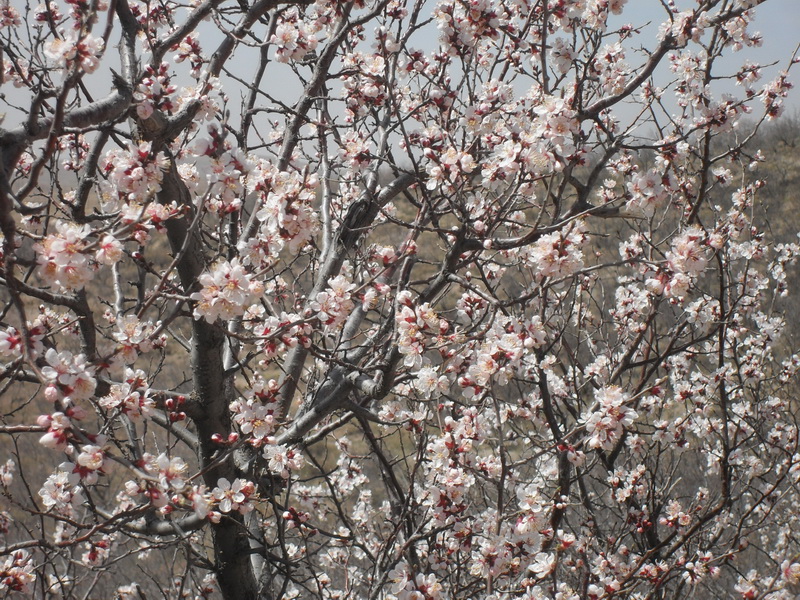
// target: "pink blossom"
[[688, 254], [226, 291], [558, 254], [17, 572], [608, 420], [61, 491], [233, 496], [71, 49], [9, 16], [58, 430], [62, 259], [283, 460]]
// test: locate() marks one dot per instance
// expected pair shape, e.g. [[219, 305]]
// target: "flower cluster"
[[46, 12], [408, 586], [154, 91], [277, 333], [68, 376], [206, 97], [59, 430], [227, 290], [236, 496], [9, 16], [98, 551], [136, 337], [428, 383], [10, 343], [71, 50], [462, 27], [355, 151], [558, 254], [62, 491], [612, 69], [255, 414], [17, 572], [62, 257], [435, 367], [556, 124], [646, 191], [285, 214], [282, 460], [134, 176], [294, 37], [364, 86], [774, 93], [606, 421], [89, 463], [334, 304], [499, 355], [132, 397], [447, 168], [189, 48], [414, 323], [688, 254], [171, 473]]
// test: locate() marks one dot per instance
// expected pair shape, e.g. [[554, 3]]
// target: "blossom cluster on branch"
[[403, 300]]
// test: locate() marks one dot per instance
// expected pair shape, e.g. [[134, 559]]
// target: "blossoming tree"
[[391, 300]]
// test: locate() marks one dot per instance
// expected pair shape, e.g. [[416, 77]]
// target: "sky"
[[777, 20]]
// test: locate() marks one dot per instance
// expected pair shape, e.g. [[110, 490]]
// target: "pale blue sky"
[[777, 20]]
